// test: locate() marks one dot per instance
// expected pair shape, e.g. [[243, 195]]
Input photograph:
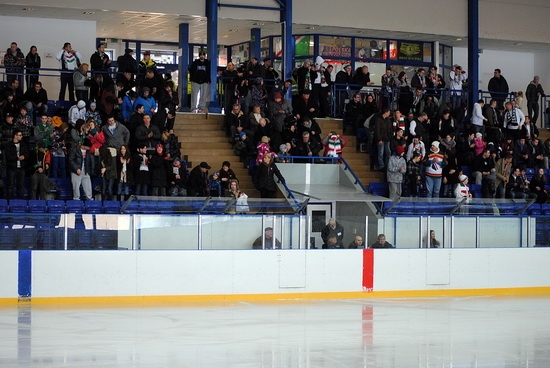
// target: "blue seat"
[[56, 206], [27, 238], [74, 206], [4, 206], [8, 238], [529, 172], [18, 206], [106, 239], [112, 207], [534, 210], [379, 188], [65, 189], [475, 189], [93, 207], [37, 206]]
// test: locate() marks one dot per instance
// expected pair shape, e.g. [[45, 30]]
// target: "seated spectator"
[[357, 243], [171, 145], [448, 144], [226, 175], [312, 127], [265, 129], [381, 243], [234, 119], [331, 243], [197, 183], [93, 113], [178, 179], [266, 241], [307, 148], [284, 151], [523, 153], [479, 143], [292, 136], [483, 170], [244, 147], [538, 157], [433, 242], [254, 119], [537, 186], [39, 98]]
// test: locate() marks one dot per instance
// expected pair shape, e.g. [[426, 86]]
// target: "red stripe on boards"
[[368, 269]]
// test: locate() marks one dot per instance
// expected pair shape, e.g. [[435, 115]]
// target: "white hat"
[[479, 135], [435, 143], [463, 178], [81, 104]]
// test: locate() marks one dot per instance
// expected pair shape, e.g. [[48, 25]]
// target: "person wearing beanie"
[[397, 167], [279, 108], [462, 190], [479, 143], [226, 175], [434, 170]]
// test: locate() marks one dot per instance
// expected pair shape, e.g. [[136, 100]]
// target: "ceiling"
[[160, 27]]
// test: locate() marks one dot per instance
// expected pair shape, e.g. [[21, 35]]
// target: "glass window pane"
[[335, 46], [303, 45], [427, 52], [239, 53], [366, 48]]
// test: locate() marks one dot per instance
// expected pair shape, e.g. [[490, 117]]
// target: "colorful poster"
[[412, 51], [301, 47]]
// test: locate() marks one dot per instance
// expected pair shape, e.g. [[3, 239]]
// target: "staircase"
[[202, 139]]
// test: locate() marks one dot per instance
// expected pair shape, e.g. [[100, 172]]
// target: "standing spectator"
[[397, 167], [140, 167], [115, 133], [334, 144], [59, 152], [478, 119], [458, 78], [70, 61], [81, 165], [43, 131], [503, 169], [498, 87], [229, 76], [147, 101], [462, 190], [146, 64], [81, 82], [264, 178], [32, 64], [125, 173], [414, 178], [199, 75], [513, 120], [279, 108], [333, 228], [14, 61], [434, 170], [16, 155], [382, 136], [101, 63], [127, 63], [108, 171], [40, 184], [148, 134], [159, 176], [387, 81], [532, 94]]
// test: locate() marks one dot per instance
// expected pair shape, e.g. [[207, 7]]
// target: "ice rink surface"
[[429, 332]]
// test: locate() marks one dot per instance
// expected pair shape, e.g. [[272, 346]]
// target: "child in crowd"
[[215, 184], [462, 190]]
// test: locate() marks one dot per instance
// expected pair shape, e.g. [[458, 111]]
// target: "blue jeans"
[[58, 167], [383, 154], [433, 185]]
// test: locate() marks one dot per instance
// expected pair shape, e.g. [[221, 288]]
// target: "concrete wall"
[[221, 275]]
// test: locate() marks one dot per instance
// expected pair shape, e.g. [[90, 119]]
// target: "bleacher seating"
[[93, 207], [18, 206], [37, 206], [111, 207], [56, 206], [379, 188], [74, 206]]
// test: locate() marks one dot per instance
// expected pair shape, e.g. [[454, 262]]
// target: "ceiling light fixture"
[[88, 13]]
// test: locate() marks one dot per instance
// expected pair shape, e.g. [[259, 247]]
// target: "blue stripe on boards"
[[24, 273]]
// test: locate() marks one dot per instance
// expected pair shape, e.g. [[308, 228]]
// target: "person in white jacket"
[[76, 112], [477, 118], [70, 61], [457, 77]]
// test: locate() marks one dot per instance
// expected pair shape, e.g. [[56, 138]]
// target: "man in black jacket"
[[199, 74], [16, 155]]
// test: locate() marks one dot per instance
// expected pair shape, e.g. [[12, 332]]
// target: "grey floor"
[[436, 332]]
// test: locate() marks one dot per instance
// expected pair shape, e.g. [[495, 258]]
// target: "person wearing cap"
[[199, 75], [197, 184], [146, 64], [304, 107], [93, 113], [81, 165], [479, 144], [433, 170], [226, 174], [533, 93], [70, 61], [127, 62], [266, 241], [397, 167]]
